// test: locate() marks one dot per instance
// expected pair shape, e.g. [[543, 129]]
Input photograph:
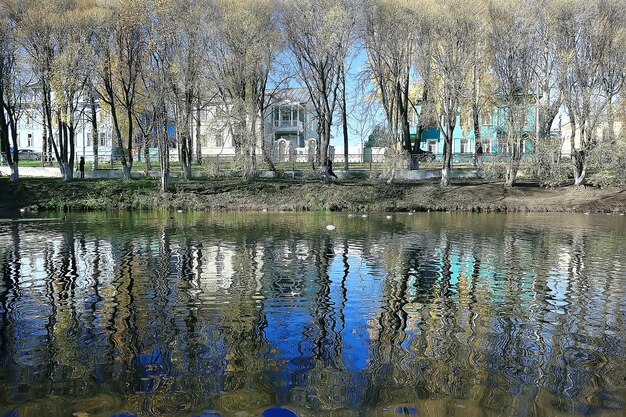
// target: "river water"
[[240, 314]]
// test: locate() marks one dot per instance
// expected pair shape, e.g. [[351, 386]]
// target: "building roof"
[[291, 95]]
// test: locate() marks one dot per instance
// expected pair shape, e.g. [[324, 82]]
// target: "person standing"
[[329, 169], [81, 166]]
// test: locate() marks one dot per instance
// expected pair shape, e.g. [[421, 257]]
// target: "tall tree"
[[186, 32], [318, 34], [99, 28], [391, 30], [57, 63], [548, 96], [246, 44], [70, 72], [12, 89], [156, 85], [455, 35], [54, 35], [512, 40], [122, 45], [343, 104], [589, 34]]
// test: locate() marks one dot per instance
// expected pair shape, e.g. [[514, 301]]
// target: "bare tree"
[[186, 31], [69, 80], [390, 32], [588, 41], [318, 34], [55, 34], [246, 43], [455, 38], [512, 40], [614, 63], [121, 49], [155, 78], [146, 112], [36, 29], [548, 97], [13, 85]]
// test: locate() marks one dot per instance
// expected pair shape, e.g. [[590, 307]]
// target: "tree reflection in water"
[[238, 313]]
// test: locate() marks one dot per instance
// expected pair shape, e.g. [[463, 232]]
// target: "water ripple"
[[430, 314]]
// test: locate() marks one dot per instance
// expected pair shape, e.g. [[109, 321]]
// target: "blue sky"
[[359, 122]]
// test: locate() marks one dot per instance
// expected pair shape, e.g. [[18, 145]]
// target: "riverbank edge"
[[36, 194]]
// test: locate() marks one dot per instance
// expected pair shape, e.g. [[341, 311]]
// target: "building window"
[[29, 140], [465, 146], [103, 139], [486, 118], [219, 137], [89, 139], [432, 146]]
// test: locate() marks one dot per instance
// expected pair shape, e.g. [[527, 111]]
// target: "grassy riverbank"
[[285, 195]]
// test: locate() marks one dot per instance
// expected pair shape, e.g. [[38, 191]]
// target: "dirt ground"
[[286, 195]]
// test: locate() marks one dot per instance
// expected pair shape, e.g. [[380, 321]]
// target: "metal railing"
[[282, 124]]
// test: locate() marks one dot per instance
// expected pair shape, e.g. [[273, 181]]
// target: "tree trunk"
[[578, 156], [165, 180], [511, 173], [146, 154], [344, 119], [251, 143], [477, 138], [164, 150], [94, 131], [68, 173], [445, 176], [580, 167], [476, 116], [325, 140], [72, 145], [186, 143], [610, 119], [266, 147], [14, 177], [198, 142], [44, 144], [447, 155], [126, 172], [129, 116]]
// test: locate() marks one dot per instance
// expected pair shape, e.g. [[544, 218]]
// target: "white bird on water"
[[330, 227]]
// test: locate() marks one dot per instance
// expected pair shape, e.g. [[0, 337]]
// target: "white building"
[[290, 128], [31, 135]]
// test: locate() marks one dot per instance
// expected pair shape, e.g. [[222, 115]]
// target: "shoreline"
[[232, 194]]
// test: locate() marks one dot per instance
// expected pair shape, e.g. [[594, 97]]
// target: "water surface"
[[430, 314]]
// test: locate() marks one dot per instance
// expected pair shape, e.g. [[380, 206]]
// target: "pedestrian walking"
[[329, 169]]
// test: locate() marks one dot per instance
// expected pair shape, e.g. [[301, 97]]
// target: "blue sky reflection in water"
[[238, 314]]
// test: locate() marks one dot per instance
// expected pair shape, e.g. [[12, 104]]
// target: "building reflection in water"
[[165, 317]]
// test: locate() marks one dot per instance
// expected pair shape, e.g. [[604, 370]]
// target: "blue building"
[[493, 134]]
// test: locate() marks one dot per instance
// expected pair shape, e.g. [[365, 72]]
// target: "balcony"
[[288, 126]]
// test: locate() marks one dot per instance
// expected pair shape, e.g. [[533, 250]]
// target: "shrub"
[[607, 161]]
